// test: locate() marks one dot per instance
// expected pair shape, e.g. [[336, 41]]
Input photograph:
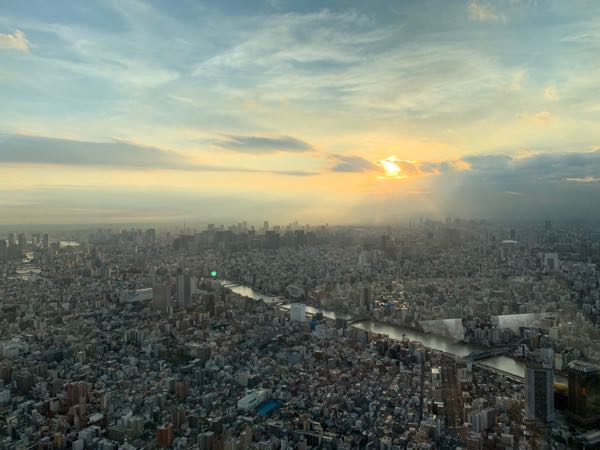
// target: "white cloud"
[[516, 85], [588, 179], [95, 55], [551, 93], [483, 13], [540, 118], [16, 41]]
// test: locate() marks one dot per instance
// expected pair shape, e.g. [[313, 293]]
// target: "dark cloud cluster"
[[260, 144], [23, 149], [561, 186], [342, 163], [526, 188]]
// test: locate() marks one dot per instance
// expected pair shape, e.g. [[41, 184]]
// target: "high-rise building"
[[551, 261], [184, 289], [21, 245], [3, 250], [150, 236], [205, 440], [539, 392], [161, 296], [584, 392], [193, 285], [179, 284], [483, 420], [164, 435]]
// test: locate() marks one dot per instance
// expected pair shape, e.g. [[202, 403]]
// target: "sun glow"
[[391, 168]]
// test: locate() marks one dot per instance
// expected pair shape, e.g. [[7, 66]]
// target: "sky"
[[125, 111]]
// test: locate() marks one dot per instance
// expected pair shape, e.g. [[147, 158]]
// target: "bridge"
[[483, 354]]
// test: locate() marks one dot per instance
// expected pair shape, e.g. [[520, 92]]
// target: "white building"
[[253, 399], [298, 312], [138, 295]]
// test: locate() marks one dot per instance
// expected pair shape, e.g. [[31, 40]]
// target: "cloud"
[[560, 185], [260, 144], [551, 93], [16, 41], [516, 85], [587, 179], [439, 167], [23, 149], [487, 162], [407, 166], [540, 118], [480, 12], [394, 167], [343, 163], [556, 186]]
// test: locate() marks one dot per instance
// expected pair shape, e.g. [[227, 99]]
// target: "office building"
[[584, 393], [539, 392], [184, 289]]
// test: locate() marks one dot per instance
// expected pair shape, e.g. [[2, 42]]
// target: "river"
[[432, 341]]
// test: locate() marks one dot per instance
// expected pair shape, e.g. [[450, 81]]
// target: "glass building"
[[584, 392]]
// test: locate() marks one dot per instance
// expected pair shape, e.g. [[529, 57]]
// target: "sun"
[[391, 168]]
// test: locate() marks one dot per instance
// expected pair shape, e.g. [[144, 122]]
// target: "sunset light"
[[392, 169], [390, 166]]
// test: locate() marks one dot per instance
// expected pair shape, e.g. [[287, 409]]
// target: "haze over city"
[[339, 112]]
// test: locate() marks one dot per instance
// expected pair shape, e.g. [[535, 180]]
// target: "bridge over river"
[[484, 354], [499, 362]]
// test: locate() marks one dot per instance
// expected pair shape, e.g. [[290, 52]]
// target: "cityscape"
[[299, 225], [436, 334]]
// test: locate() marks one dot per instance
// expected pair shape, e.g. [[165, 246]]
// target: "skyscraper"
[[184, 288], [539, 392], [584, 392], [180, 283], [21, 245], [161, 296], [12, 246], [3, 250]]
